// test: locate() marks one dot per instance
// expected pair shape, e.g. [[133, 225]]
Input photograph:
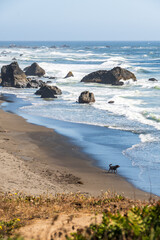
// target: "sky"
[[77, 20]]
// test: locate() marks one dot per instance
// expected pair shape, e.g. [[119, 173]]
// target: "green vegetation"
[[8, 227], [138, 223], [12, 238]]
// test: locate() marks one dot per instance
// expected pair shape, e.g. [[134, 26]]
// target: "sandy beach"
[[36, 160]]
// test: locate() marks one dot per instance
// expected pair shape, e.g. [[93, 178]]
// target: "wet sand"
[[36, 160]]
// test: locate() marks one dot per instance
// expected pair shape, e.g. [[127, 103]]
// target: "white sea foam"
[[115, 61], [126, 47], [148, 138]]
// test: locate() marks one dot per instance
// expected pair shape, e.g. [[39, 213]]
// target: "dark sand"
[[37, 160]]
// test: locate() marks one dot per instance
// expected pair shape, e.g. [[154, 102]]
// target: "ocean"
[[126, 132]]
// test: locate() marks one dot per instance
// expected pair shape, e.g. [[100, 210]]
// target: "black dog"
[[113, 168]]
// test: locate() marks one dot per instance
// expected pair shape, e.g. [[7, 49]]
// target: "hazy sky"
[[79, 20]]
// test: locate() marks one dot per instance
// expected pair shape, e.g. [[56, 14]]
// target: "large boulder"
[[13, 76], [69, 74], [112, 77], [48, 91], [34, 70], [86, 97]]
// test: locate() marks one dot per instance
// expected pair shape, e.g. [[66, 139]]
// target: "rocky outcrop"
[[112, 77], [48, 91], [13, 76], [70, 74], [34, 70], [86, 97]]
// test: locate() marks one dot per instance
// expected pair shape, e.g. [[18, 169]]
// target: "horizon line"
[[79, 40]]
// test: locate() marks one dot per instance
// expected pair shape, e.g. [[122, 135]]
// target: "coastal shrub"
[[138, 223], [8, 227]]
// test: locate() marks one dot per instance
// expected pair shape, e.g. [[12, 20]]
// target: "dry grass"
[[30, 208]]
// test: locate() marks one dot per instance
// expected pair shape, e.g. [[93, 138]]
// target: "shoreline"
[[36, 160]]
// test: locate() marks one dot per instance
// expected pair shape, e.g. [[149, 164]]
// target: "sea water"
[[132, 123]]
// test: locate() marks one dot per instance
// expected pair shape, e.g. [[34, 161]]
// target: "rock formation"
[[33, 83], [112, 77], [48, 91], [13, 76], [70, 74], [34, 70], [86, 97]]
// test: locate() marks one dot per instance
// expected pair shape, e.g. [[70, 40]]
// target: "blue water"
[[136, 110]]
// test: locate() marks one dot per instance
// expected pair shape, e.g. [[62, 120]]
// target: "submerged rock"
[[12, 45], [86, 97], [69, 74], [4, 52], [112, 77], [65, 46], [34, 70], [111, 101], [53, 46], [49, 77], [48, 91], [13, 76], [153, 80]]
